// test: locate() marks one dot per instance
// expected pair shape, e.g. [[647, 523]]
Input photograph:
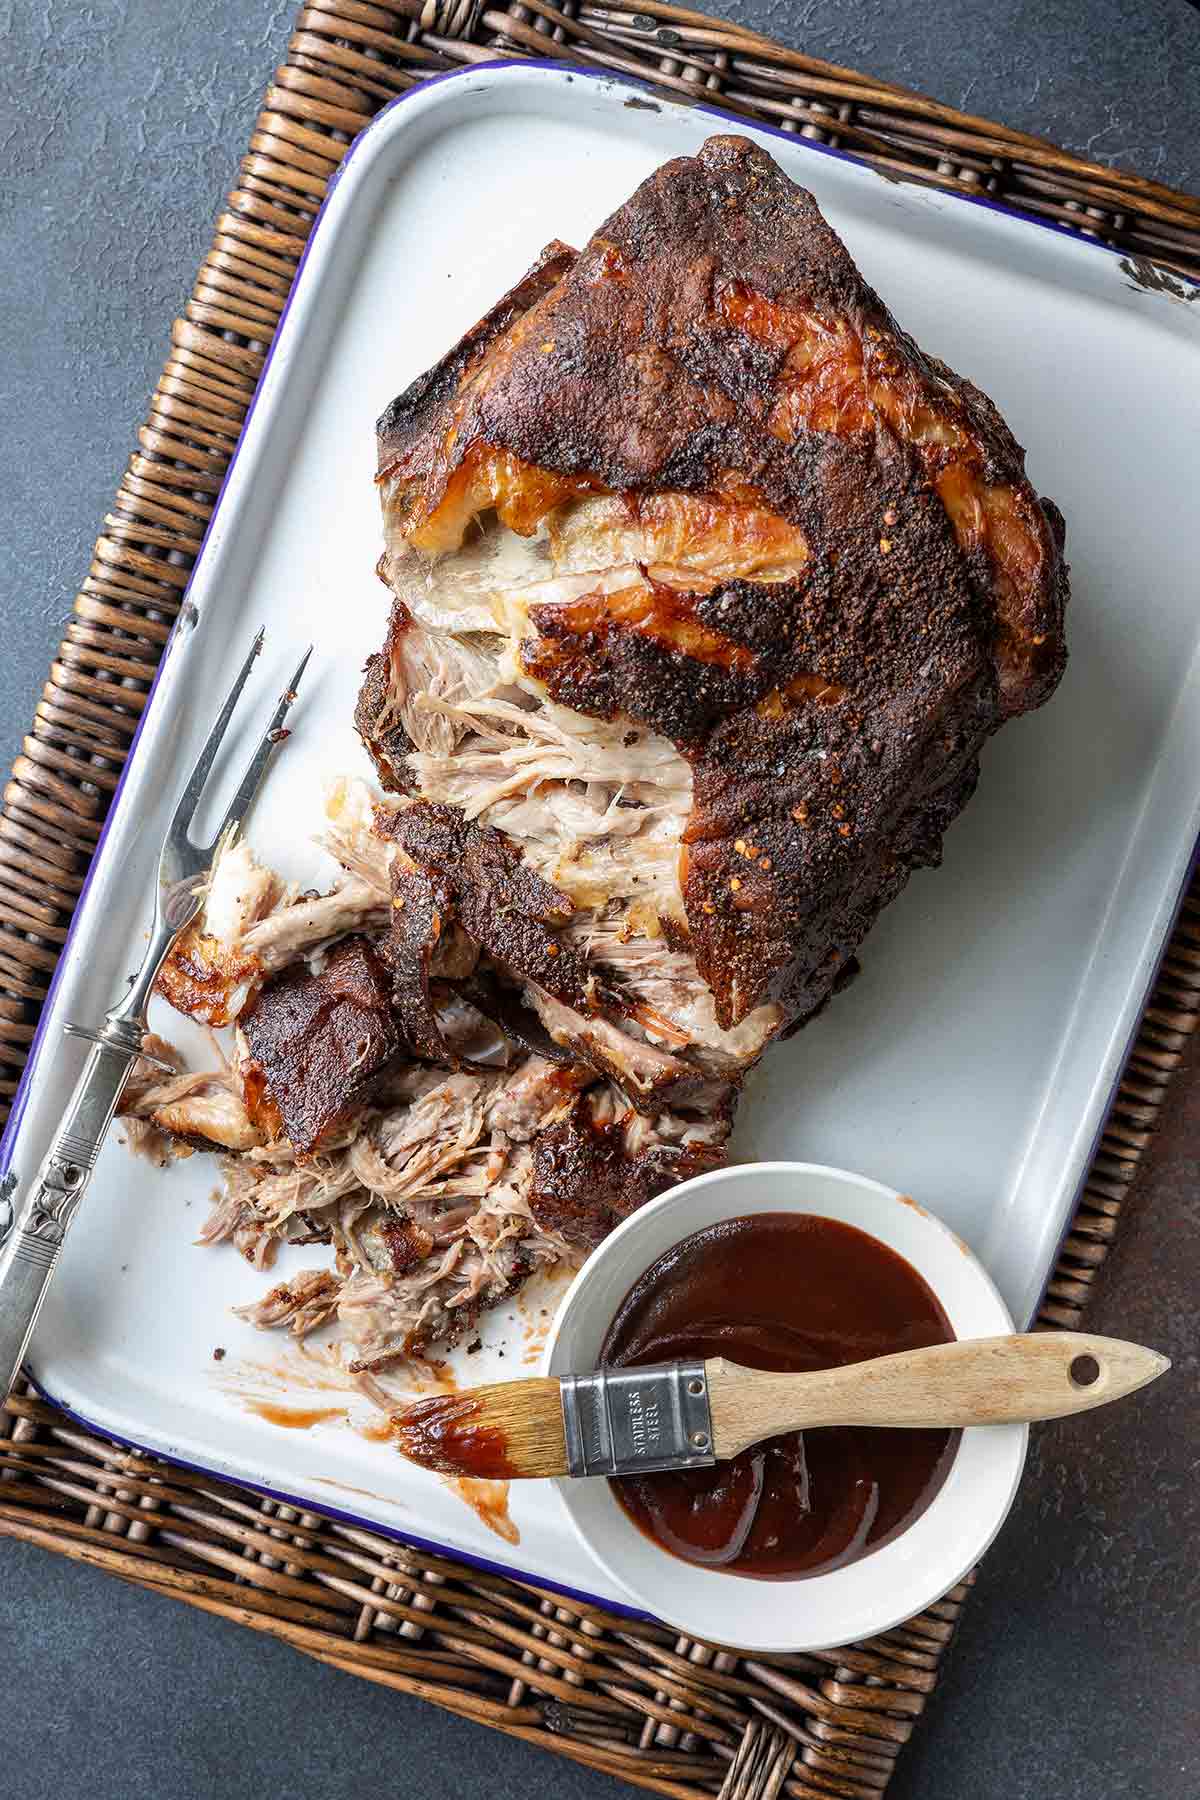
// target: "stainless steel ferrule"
[[630, 1421]]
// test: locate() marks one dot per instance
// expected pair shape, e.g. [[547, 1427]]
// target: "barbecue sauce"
[[784, 1291]]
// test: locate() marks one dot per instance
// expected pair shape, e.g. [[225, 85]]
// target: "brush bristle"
[[507, 1432]]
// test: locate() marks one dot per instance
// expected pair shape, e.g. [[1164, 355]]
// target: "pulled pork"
[[388, 1093], [428, 1205]]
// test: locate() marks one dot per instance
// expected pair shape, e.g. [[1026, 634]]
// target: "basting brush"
[[692, 1414]]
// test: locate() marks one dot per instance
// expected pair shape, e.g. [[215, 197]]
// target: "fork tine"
[[274, 734], [189, 799]]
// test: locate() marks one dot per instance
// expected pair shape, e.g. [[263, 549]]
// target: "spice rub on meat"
[[597, 1165], [710, 586], [479, 878], [320, 1042], [449, 873]]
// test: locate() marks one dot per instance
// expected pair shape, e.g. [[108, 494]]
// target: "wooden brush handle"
[[982, 1381]]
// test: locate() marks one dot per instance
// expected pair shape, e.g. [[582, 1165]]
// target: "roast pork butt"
[[709, 586]]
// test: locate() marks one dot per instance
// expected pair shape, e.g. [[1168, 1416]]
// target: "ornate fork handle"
[[41, 1222]]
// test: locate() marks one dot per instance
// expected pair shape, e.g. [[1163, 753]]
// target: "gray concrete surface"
[[1076, 1671]]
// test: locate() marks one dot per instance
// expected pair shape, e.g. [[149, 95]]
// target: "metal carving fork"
[[39, 1223]]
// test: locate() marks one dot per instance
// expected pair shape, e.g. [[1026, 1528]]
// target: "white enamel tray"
[[972, 1062]]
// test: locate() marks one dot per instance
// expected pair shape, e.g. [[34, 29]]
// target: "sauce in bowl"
[[784, 1291]]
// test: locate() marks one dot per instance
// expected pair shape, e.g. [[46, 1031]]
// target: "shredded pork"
[[426, 1205], [295, 931], [425, 1192]]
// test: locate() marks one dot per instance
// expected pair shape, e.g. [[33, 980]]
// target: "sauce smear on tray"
[[784, 1291]]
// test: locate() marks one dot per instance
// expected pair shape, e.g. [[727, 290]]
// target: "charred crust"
[[585, 1181], [495, 896], [658, 362], [807, 821], [422, 908], [601, 666], [408, 1244], [412, 414], [439, 837], [649, 386], [322, 1042], [202, 976]]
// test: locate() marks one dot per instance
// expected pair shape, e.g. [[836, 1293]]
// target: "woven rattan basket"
[[673, 1715]]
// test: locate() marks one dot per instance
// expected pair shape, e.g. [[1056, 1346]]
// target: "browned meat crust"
[[620, 652], [808, 818], [664, 359], [455, 871], [388, 744], [410, 428], [500, 902], [586, 1180], [715, 351], [407, 1242], [202, 977], [320, 1043], [422, 906]]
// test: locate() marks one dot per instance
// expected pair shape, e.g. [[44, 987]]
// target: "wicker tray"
[[635, 1700]]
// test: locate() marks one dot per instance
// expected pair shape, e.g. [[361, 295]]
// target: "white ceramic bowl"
[[891, 1583]]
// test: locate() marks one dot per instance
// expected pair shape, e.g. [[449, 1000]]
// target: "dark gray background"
[[1076, 1670]]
